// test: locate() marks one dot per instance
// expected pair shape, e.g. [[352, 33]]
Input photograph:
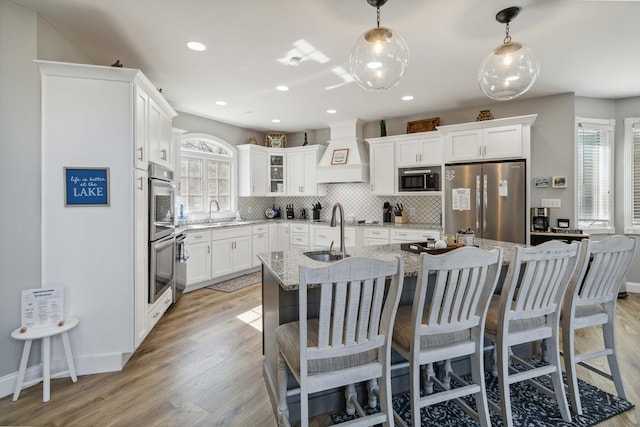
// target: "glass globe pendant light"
[[510, 69], [380, 57]]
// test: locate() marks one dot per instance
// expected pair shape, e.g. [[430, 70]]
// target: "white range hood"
[[347, 156]]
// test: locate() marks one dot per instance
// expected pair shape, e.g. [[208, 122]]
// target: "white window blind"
[[632, 175], [594, 174]]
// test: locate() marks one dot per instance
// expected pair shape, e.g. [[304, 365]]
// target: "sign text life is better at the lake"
[[86, 186]]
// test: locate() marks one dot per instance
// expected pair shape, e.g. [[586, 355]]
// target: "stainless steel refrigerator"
[[489, 198]]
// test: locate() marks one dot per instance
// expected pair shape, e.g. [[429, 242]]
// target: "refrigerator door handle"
[[485, 195], [477, 202]]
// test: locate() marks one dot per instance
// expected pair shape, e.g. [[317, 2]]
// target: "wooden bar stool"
[[45, 334]]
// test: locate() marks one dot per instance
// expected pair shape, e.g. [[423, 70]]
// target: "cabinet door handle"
[[208, 249], [141, 156], [141, 186], [484, 150], [164, 154]]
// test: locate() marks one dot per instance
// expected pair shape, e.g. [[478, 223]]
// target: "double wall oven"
[[162, 239]]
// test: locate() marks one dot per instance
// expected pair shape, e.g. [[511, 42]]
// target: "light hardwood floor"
[[202, 366]]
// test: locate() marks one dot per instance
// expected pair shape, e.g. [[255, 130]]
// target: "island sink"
[[324, 256]]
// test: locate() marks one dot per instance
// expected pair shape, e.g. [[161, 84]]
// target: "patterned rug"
[[238, 283], [530, 408]]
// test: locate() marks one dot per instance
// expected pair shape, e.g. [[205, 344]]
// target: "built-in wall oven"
[[162, 248]]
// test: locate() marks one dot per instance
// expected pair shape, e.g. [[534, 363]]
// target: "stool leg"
[[23, 367], [46, 372], [67, 353]]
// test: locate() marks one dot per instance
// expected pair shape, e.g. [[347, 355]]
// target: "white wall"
[[20, 172]]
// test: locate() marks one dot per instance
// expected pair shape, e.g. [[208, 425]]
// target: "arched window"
[[207, 173]]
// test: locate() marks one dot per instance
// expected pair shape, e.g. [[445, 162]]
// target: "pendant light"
[[379, 59], [510, 69]]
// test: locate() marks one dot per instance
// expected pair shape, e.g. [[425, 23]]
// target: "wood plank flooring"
[[202, 366]]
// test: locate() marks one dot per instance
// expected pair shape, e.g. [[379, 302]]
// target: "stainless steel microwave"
[[418, 179]]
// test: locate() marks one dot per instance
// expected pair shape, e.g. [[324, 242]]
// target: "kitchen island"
[[280, 282]]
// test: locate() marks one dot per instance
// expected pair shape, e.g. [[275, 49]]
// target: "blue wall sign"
[[86, 186]]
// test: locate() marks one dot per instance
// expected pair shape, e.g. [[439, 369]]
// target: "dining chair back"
[[528, 310], [350, 339], [591, 301], [445, 321]]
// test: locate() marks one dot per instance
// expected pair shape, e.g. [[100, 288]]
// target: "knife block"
[[402, 219]]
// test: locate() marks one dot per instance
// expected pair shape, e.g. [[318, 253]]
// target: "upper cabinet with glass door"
[[276, 179]]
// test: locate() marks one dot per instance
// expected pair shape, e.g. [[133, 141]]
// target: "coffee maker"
[[540, 219]]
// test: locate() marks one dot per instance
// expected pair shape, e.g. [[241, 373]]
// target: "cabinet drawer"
[[376, 233], [259, 228], [198, 236], [398, 236], [230, 232], [157, 309], [299, 239], [299, 228]]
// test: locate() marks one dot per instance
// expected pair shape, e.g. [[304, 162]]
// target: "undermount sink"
[[324, 256], [217, 224]]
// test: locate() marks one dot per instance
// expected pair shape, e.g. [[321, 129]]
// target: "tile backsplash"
[[358, 203]]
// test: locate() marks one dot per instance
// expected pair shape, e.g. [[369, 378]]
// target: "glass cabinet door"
[[276, 173]]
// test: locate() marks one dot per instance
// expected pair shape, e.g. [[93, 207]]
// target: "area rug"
[[238, 283], [530, 408]]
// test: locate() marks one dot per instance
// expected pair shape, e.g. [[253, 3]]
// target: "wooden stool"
[[45, 334]]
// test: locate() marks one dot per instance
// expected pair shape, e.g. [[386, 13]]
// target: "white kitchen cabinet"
[[299, 236], [276, 172], [157, 309], [419, 149], [93, 116], [230, 250], [141, 255], [159, 135], [382, 172], [199, 250], [302, 165], [412, 235], [375, 236], [260, 242], [252, 167], [488, 140], [321, 237], [141, 124]]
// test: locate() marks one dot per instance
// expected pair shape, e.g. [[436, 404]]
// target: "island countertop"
[[284, 265]]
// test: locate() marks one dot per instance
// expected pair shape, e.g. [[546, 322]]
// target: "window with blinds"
[[632, 175], [594, 174]]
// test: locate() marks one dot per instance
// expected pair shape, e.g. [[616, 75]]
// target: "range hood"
[[347, 156]]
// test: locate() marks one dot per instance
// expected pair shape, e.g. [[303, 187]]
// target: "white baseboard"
[[84, 366], [633, 287]]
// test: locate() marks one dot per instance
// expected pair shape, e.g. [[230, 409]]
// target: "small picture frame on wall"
[[559, 182], [542, 182], [85, 186], [340, 156]]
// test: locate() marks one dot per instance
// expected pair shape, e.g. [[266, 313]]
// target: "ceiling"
[[586, 47]]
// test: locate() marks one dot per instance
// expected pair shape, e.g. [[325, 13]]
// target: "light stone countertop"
[[235, 223], [284, 265]]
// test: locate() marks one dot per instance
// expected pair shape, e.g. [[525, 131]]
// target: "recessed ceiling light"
[[197, 46], [275, 120], [221, 103], [294, 61], [407, 98], [331, 111], [282, 88]]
